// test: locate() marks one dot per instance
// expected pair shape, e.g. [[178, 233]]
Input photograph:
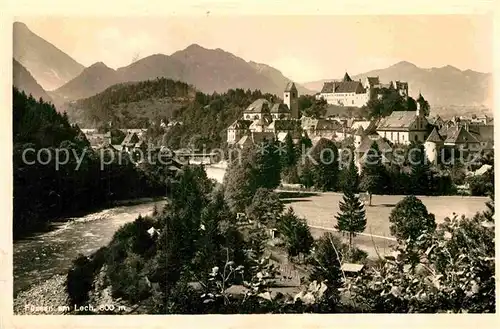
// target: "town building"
[[263, 119], [363, 142], [237, 130], [321, 127], [291, 100], [460, 138], [130, 141], [404, 127], [138, 131], [433, 146]]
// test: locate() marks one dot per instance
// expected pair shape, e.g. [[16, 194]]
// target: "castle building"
[[348, 92]]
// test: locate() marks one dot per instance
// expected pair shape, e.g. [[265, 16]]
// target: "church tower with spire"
[[291, 99]]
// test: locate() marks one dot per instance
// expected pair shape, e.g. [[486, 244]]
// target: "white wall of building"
[[251, 116], [431, 151], [396, 137], [346, 99]]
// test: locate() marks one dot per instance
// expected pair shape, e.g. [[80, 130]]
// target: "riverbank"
[[54, 223], [50, 298], [40, 257]]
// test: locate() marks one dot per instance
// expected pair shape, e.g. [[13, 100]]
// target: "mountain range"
[[216, 70], [50, 66], [209, 70], [441, 86], [23, 80]]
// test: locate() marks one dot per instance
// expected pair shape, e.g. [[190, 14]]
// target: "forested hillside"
[[204, 117], [131, 105], [47, 187]]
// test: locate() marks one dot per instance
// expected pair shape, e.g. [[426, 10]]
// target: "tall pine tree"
[[351, 218], [350, 177], [420, 178], [373, 174], [326, 169], [289, 156], [267, 165]]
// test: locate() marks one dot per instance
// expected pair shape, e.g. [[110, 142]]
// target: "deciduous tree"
[[410, 219]]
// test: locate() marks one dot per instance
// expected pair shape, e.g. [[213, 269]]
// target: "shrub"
[[410, 218], [128, 280], [80, 280], [296, 233], [266, 206]]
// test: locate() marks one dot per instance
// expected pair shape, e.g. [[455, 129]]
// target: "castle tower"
[[433, 146], [358, 137], [291, 99]]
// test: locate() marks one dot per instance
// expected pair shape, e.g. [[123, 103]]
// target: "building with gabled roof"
[[254, 138], [260, 124], [348, 92], [344, 93], [237, 130], [263, 108], [280, 111], [461, 139], [365, 144], [278, 126], [129, 141], [404, 127], [258, 109], [263, 116], [321, 127]]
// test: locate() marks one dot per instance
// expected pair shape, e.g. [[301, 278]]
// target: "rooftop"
[[434, 137], [280, 108], [290, 86], [259, 106], [460, 135], [398, 120]]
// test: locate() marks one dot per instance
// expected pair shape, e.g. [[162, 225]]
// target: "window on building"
[[416, 138]]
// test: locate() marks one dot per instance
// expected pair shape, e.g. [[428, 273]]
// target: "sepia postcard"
[[229, 159]]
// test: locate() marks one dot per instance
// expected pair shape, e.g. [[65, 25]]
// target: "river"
[[39, 257]]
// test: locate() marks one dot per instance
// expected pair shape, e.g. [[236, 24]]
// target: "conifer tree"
[[267, 165], [420, 177], [351, 218], [372, 176], [289, 157], [350, 177], [326, 168]]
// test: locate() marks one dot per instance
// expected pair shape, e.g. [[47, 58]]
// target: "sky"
[[303, 48]]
